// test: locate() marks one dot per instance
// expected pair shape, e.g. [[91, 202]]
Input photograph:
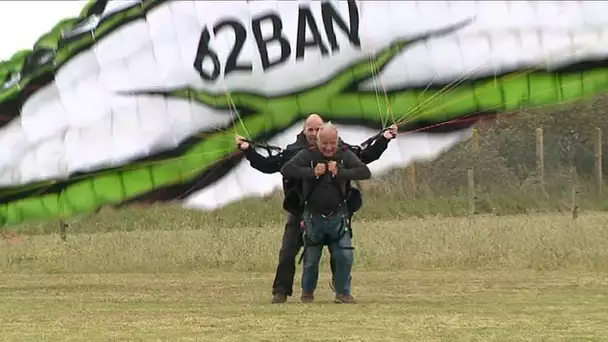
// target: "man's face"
[[311, 129], [328, 142]]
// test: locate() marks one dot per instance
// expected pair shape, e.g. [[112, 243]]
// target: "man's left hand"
[[241, 144], [332, 166], [391, 132]]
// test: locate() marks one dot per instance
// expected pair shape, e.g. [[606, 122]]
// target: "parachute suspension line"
[[200, 168], [377, 78], [427, 102], [377, 82], [446, 89], [372, 66], [237, 116], [231, 105], [496, 82], [389, 107], [424, 105], [511, 76], [413, 107]]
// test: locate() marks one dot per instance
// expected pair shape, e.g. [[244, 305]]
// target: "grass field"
[[394, 306], [169, 274]]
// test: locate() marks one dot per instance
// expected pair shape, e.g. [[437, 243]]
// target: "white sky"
[[23, 22]]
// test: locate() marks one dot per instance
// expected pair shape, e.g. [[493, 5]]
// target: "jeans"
[[334, 230]]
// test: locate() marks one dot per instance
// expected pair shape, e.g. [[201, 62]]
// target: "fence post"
[[411, 178], [63, 234], [475, 141], [540, 156], [598, 161], [574, 181], [471, 180]]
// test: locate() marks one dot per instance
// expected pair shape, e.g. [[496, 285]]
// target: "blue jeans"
[[334, 230]]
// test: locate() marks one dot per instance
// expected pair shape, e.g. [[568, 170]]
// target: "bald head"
[[311, 127], [313, 118]]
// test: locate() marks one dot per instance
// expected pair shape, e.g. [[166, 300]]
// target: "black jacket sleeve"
[[353, 168], [374, 151], [270, 164], [299, 166]]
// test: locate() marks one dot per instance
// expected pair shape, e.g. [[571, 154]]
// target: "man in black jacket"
[[292, 239], [326, 171]]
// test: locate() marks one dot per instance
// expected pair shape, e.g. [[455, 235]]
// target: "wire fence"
[[507, 167]]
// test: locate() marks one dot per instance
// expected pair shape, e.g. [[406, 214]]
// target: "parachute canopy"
[[140, 100]]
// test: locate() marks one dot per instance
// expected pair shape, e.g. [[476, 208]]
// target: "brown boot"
[[345, 299], [307, 297], [279, 298]]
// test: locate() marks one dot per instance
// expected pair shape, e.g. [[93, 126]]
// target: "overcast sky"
[[23, 22]]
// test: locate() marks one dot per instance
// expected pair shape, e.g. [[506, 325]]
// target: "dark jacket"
[[274, 163], [292, 187], [325, 193]]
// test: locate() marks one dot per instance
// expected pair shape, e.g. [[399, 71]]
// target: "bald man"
[[292, 238], [273, 164], [325, 171]]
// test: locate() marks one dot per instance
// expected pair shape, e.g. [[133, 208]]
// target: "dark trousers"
[[286, 269]]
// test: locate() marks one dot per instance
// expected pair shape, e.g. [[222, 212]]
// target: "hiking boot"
[[307, 297], [345, 299], [279, 298]]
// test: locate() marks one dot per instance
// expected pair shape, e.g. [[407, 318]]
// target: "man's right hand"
[[320, 169], [391, 132], [240, 143]]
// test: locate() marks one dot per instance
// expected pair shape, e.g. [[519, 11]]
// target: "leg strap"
[[325, 241]]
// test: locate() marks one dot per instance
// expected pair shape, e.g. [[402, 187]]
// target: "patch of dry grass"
[[167, 275], [541, 242]]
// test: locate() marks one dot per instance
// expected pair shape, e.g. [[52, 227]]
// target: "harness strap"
[[344, 228], [318, 181], [269, 148], [312, 188]]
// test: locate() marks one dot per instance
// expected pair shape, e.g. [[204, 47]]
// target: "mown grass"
[[394, 306]]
